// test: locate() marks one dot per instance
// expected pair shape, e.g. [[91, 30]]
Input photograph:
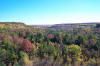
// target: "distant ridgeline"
[[75, 26], [12, 25], [72, 26]]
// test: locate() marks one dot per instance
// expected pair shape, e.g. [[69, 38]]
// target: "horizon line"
[[50, 24]]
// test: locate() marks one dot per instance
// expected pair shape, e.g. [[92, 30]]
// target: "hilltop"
[[12, 25]]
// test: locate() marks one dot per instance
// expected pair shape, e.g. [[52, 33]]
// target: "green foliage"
[[8, 54], [70, 45], [73, 51], [92, 36], [32, 53], [67, 39], [24, 58], [98, 45], [2, 64], [80, 40], [46, 50], [39, 37]]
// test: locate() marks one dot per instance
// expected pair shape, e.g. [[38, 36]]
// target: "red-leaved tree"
[[26, 46]]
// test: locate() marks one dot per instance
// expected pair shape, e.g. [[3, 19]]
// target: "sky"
[[49, 11]]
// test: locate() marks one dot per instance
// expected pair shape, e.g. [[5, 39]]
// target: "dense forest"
[[24, 45]]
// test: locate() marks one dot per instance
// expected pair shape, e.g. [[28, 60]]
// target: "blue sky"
[[49, 11]]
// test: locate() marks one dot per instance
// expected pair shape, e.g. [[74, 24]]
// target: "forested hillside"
[[24, 45]]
